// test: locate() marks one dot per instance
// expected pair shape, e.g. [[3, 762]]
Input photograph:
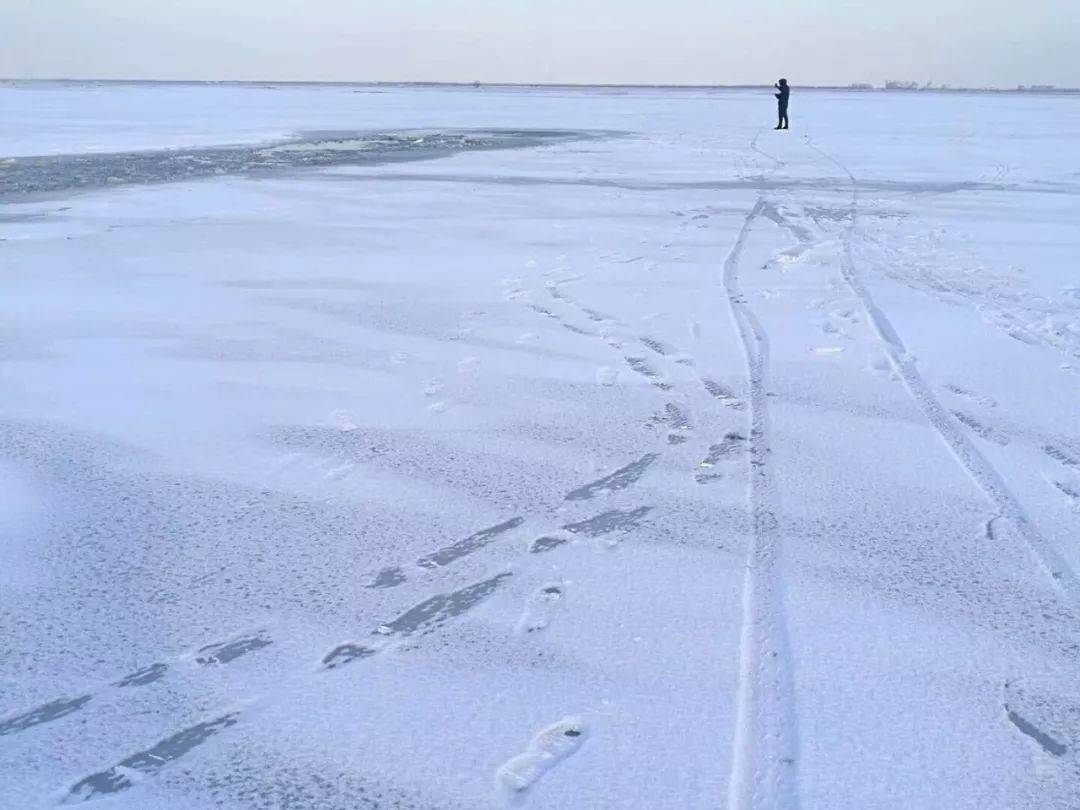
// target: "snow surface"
[[686, 465]]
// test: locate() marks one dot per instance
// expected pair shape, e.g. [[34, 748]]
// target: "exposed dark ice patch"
[[45, 713], [150, 761], [982, 430], [144, 676], [473, 542], [617, 520], [620, 479], [722, 393], [388, 578], [65, 173], [228, 651], [345, 654], [1048, 743], [642, 367], [433, 612], [547, 543]]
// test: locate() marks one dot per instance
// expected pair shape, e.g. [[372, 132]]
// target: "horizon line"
[[853, 87]]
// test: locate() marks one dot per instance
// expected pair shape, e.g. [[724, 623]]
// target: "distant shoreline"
[[1034, 90]]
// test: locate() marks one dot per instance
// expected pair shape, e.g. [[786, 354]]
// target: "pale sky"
[[959, 42]]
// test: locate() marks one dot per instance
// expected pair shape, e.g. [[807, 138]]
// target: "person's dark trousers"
[[783, 123]]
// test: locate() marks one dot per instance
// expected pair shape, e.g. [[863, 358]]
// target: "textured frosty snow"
[[278, 450]]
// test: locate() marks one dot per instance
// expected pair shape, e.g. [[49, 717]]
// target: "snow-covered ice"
[[462, 448]]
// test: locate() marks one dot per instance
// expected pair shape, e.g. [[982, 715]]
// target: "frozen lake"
[[380, 447]]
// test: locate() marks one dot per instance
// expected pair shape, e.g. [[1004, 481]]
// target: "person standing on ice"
[[782, 101]]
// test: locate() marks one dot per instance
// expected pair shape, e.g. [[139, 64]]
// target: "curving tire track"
[[1009, 512]]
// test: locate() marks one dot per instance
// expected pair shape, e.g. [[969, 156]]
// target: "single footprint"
[[1061, 456], [618, 480], [547, 543], [607, 376], [677, 421], [341, 472], [984, 431], [722, 393], [389, 577], [227, 651], [732, 444], [974, 396], [343, 420], [541, 608], [878, 364], [546, 750], [1071, 494], [657, 346], [345, 654], [642, 367], [848, 315], [547, 313], [512, 288]]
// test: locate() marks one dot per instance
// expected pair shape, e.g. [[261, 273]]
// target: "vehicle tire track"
[[978, 468], [763, 775]]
